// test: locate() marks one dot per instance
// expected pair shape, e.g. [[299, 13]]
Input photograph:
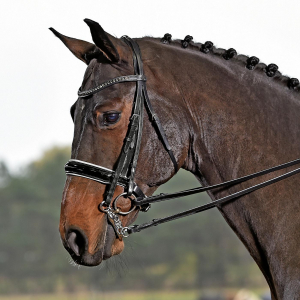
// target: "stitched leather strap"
[[163, 197], [159, 129], [226, 199], [128, 78], [103, 175], [139, 107]]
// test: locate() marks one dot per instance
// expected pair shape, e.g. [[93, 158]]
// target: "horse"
[[224, 115]]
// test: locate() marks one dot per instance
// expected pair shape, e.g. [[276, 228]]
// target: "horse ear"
[[103, 41], [81, 49]]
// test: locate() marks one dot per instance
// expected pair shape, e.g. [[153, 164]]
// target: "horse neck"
[[241, 121]]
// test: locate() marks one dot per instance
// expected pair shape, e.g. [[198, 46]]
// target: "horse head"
[[223, 115], [101, 123]]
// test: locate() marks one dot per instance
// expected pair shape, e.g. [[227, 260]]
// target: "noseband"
[[124, 173]]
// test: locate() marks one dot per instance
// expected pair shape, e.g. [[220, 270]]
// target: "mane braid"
[[270, 70]]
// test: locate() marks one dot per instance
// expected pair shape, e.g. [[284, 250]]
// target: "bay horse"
[[224, 115]]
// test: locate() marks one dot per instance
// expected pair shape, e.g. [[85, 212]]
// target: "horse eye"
[[111, 118]]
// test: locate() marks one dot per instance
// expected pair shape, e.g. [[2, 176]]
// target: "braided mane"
[[251, 63]]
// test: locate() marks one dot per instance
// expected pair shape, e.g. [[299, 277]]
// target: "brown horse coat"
[[222, 120]]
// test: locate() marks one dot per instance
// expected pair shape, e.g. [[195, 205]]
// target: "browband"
[[127, 78]]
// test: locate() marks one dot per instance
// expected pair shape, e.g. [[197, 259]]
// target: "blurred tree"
[[4, 174]]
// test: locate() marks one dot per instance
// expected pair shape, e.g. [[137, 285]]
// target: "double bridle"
[[124, 173]]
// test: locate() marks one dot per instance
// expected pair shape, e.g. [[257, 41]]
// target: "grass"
[[172, 295], [129, 295]]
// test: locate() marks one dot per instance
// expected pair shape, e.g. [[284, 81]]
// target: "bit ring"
[[103, 203], [118, 210], [124, 232]]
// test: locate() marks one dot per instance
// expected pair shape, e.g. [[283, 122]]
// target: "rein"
[[126, 166]]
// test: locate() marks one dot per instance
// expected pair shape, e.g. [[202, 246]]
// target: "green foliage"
[[193, 252]]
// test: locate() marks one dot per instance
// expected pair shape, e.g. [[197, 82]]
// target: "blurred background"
[[194, 258], [192, 254]]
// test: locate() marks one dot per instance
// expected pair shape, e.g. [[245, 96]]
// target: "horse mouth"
[[109, 241], [104, 251]]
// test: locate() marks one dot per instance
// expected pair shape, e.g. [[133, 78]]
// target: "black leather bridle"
[[124, 173]]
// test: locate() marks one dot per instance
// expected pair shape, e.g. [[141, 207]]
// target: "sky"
[[40, 77]]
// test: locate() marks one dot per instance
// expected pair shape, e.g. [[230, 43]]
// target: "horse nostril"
[[76, 242]]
